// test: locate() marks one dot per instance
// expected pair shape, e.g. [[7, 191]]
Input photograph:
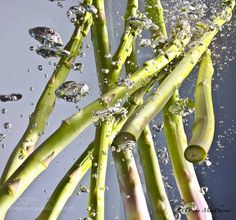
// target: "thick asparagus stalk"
[[204, 123], [152, 106], [73, 126], [67, 185], [183, 170], [47, 100]]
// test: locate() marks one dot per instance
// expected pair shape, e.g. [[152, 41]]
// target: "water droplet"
[[10, 97], [2, 137], [83, 189], [126, 82], [7, 125], [46, 36], [32, 48], [4, 111], [145, 42], [163, 155], [78, 67], [158, 127], [21, 157], [40, 67], [47, 52], [72, 91], [204, 190]]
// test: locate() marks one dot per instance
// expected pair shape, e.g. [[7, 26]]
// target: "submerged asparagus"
[[183, 170], [47, 100], [153, 105], [204, 123]]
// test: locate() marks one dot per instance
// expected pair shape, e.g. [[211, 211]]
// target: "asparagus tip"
[[195, 153]]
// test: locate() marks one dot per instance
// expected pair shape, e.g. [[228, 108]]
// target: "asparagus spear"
[[101, 45], [152, 106], [204, 123], [183, 170], [67, 185], [73, 126], [47, 100]]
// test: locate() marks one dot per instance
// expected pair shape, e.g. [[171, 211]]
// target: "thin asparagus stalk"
[[153, 178], [154, 10], [183, 170], [47, 100], [73, 126], [101, 45], [204, 123], [67, 186], [126, 44], [153, 105]]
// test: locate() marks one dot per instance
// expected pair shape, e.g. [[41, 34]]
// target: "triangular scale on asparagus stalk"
[[204, 123]]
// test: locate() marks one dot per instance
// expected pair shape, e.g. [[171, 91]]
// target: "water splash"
[[11, 97]]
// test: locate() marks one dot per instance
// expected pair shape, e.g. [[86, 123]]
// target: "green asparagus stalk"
[[73, 126], [153, 105], [67, 186], [47, 100], [101, 45], [204, 123], [184, 172], [153, 178]]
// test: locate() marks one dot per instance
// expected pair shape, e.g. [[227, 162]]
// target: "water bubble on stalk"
[[72, 91], [182, 107], [7, 125], [114, 110], [2, 137], [46, 36], [10, 97], [83, 189], [104, 70], [78, 67], [127, 83], [126, 145], [47, 52], [79, 11]]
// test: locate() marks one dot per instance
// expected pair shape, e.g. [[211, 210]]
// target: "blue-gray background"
[[19, 72]]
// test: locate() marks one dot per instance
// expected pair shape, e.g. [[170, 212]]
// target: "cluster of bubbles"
[[163, 155], [10, 97], [184, 209], [182, 107], [51, 42], [111, 111], [72, 91], [77, 12]]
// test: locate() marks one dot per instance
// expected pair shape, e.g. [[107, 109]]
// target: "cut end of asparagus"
[[124, 139], [195, 153]]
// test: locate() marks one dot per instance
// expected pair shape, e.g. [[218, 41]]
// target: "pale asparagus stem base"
[[153, 178], [73, 126], [67, 186], [130, 186], [153, 105], [183, 170], [204, 123], [45, 105]]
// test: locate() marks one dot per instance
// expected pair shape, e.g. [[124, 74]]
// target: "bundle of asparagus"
[[122, 115]]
